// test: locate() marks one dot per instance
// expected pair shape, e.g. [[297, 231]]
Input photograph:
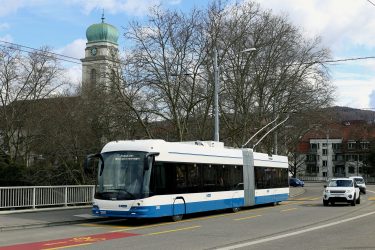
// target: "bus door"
[[179, 206]]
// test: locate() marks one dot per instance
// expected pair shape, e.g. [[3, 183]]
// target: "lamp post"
[[216, 92]]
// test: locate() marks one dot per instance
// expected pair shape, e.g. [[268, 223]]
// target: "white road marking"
[[246, 244]]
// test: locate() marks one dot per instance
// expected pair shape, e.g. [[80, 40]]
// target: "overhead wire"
[[371, 2], [70, 58], [50, 56], [57, 56]]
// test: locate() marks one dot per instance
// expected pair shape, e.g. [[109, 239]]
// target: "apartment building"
[[337, 150]]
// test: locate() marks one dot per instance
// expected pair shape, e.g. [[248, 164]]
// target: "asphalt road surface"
[[299, 223]]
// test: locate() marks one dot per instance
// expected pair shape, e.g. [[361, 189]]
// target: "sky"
[[347, 28]]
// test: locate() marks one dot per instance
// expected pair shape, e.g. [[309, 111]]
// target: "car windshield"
[[340, 183], [359, 180]]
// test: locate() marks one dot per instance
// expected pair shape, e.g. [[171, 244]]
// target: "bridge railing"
[[45, 196], [370, 180]]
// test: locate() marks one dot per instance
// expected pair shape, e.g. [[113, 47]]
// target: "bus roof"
[[194, 152]]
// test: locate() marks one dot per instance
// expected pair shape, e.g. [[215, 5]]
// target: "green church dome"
[[102, 32]]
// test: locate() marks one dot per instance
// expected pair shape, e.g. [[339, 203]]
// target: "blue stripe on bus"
[[193, 207]]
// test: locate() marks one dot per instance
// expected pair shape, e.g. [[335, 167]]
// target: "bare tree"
[[167, 63], [167, 78], [285, 74], [23, 79]]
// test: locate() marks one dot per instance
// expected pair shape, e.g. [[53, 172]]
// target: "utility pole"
[[216, 96], [274, 133]]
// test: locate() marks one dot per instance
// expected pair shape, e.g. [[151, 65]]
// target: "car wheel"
[[353, 201], [325, 203]]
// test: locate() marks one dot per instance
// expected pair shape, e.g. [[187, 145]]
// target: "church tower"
[[101, 56]]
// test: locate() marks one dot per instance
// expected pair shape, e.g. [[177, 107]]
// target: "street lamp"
[[216, 91]]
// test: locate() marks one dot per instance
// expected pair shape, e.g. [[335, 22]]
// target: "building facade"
[[340, 150]]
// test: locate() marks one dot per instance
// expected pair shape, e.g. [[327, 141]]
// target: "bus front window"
[[122, 177]]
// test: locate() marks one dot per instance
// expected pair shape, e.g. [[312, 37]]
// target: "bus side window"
[[158, 180], [181, 178], [194, 179], [209, 178]]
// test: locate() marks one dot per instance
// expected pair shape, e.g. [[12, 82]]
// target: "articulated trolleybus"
[[155, 178]]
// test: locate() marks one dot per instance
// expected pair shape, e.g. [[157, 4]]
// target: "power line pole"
[[216, 93]]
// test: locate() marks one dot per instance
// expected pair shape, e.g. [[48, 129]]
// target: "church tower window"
[[93, 76]]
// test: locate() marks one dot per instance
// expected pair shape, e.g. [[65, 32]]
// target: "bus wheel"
[[236, 209], [177, 217]]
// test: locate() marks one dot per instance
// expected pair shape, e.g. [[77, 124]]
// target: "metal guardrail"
[[45, 196]]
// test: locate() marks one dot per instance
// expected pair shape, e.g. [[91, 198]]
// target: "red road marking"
[[75, 241]]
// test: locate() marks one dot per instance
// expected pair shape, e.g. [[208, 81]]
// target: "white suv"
[[360, 182], [341, 190]]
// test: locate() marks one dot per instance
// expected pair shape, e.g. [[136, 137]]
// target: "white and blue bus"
[[155, 178]]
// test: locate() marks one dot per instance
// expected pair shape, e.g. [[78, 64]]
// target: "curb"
[[35, 210]]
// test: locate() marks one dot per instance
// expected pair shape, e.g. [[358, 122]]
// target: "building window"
[[311, 157], [324, 145], [351, 145], [324, 163], [325, 151], [93, 76], [351, 157], [364, 144], [314, 146], [336, 146], [324, 174], [351, 170], [312, 169], [338, 157]]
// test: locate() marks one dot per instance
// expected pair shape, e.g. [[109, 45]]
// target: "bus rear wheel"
[[177, 217], [236, 209]]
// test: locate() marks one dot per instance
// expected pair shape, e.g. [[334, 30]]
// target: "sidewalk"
[[47, 218], [43, 218]]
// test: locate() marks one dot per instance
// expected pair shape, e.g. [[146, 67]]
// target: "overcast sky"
[[347, 27]]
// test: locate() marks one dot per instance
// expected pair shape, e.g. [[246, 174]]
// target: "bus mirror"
[[88, 163], [87, 168]]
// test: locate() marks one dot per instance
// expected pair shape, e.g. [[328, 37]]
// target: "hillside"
[[351, 114]]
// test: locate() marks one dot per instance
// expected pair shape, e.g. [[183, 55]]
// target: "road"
[[300, 223]]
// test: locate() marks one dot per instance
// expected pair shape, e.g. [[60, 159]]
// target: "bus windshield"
[[122, 177]]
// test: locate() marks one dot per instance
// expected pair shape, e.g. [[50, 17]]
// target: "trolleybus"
[[155, 178]]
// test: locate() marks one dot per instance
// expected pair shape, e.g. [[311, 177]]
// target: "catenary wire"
[[50, 56], [56, 54], [74, 58]]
